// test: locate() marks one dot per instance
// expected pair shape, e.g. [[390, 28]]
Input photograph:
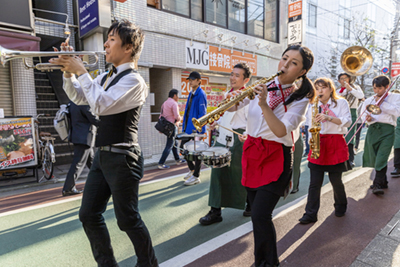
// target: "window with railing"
[[254, 17]]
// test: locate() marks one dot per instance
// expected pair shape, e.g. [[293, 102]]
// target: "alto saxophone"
[[230, 102], [314, 130]]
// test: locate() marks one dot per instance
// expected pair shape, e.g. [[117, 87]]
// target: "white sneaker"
[[188, 175], [192, 180]]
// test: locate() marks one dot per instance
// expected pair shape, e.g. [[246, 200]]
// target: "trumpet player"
[[380, 134], [334, 117], [352, 93]]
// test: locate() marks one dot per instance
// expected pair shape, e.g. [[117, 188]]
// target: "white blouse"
[[356, 92], [258, 127], [342, 112], [390, 110]]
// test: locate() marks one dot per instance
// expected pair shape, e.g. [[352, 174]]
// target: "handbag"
[[164, 126]]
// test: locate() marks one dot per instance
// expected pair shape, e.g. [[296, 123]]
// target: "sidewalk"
[[29, 184]]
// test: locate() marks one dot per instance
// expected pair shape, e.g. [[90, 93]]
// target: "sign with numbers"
[[294, 32]]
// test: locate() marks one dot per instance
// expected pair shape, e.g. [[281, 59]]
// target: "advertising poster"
[[17, 145]]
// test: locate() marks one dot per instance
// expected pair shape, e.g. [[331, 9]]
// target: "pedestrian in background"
[[82, 134], [196, 107], [170, 111]]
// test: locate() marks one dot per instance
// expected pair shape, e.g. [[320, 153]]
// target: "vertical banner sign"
[[395, 69], [17, 143], [88, 16], [295, 30]]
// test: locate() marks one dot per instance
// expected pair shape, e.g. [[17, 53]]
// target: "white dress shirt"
[[342, 112], [258, 127], [130, 92], [390, 109], [356, 92]]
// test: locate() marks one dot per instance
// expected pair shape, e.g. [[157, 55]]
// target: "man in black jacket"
[[82, 133]]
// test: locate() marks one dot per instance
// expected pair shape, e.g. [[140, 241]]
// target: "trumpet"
[[7, 55], [230, 102]]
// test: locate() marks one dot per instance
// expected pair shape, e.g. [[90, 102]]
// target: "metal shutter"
[[6, 96]]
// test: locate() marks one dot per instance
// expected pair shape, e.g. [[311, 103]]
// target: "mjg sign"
[[197, 56]]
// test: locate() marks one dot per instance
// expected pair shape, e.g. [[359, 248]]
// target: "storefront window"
[[176, 6], [237, 13], [216, 12], [271, 18]]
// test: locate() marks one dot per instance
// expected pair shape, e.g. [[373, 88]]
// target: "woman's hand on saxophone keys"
[[262, 93], [320, 117]]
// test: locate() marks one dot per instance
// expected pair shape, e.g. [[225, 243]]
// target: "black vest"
[[121, 127]]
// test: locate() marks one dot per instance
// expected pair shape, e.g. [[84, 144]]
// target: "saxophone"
[[230, 102], [314, 130]]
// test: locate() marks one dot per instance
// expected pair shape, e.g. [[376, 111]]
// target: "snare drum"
[[216, 157], [193, 151]]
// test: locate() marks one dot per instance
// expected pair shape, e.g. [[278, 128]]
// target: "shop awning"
[[19, 41]]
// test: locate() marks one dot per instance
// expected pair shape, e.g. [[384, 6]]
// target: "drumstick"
[[229, 130]]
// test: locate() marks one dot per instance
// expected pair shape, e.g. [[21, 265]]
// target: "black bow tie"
[[112, 71]]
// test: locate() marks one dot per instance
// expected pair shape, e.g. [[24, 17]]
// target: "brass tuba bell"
[[356, 60]]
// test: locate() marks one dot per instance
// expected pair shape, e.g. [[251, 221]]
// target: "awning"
[[19, 41]]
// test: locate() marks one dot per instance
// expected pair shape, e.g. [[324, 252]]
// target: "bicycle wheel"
[[47, 164]]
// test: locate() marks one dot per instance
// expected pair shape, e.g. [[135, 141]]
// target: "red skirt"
[[333, 150], [262, 162]]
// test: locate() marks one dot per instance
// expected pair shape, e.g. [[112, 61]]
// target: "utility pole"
[[393, 36]]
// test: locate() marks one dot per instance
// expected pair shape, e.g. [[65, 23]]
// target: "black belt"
[[119, 150]]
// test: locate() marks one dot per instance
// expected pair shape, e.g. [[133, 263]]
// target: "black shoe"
[[382, 186], [395, 173], [247, 211], [71, 192], [212, 216], [294, 191], [339, 214], [306, 220], [377, 190]]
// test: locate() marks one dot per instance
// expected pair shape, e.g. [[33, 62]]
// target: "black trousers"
[[115, 175], [83, 155], [358, 135], [314, 192], [193, 165], [263, 201], [351, 152], [381, 178], [396, 160]]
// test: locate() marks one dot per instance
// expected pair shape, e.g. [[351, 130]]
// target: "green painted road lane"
[[53, 236]]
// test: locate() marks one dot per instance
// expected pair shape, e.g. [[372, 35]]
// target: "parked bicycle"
[[45, 150]]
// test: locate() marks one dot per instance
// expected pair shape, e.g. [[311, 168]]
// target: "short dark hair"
[[129, 33], [245, 67], [172, 93], [342, 74], [381, 80]]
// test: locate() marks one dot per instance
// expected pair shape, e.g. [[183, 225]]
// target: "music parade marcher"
[[267, 151], [380, 135], [359, 123], [396, 146], [170, 111], [196, 107], [352, 93], [226, 189], [117, 98], [82, 135], [334, 117]]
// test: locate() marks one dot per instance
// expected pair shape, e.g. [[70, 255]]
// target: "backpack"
[[62, 122]]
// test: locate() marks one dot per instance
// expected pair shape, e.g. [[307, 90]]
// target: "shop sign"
[[88, 16], [294, 32], [295, 8], [395, 69], [213, 58], [17, 143]]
